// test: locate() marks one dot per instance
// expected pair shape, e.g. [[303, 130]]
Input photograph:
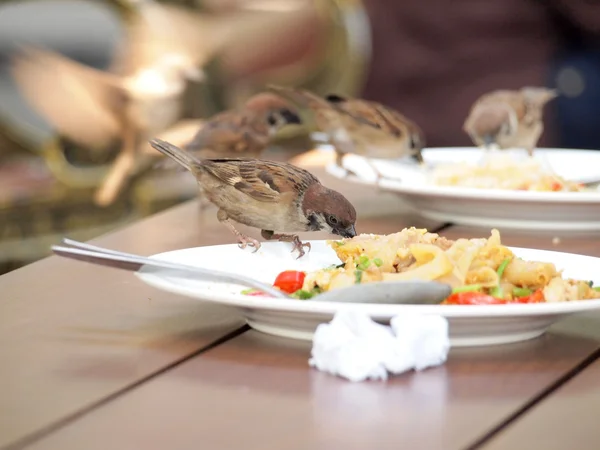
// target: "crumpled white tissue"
[[355, 347]]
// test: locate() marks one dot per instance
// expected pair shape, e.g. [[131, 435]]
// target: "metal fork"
[[127, 261], [415, 292]]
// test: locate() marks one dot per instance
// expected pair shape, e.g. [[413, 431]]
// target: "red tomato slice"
[[290, 281], [473, 298], [536, 297]]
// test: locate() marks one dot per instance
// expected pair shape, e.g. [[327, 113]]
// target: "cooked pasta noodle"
[[530, 274], [481, 264], [484, 276], [431, 262]]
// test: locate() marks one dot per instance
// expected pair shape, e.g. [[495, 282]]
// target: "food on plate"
[[481, 271], [503, 171]]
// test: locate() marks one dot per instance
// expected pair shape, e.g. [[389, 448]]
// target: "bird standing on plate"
[[508, 118], [272, 196], [142, 94], [360, 127]]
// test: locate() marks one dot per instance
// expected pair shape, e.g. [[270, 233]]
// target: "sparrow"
[[141, 94], [509, 118], [245, 131], [275, 197], [359, 126], [242, 132]]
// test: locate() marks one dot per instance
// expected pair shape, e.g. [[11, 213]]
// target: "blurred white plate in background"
[[567, 212]]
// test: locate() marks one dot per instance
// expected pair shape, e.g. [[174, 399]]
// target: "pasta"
[[475, 268], [502, 171], [530, 274]]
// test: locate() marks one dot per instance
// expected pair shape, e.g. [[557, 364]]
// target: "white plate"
[[567, 212], [469, 325]]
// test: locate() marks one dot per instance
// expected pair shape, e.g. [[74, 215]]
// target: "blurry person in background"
[[433, 58]]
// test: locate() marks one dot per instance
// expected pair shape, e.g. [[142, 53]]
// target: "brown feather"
[[359, 126], [262, 180], [243, 132]]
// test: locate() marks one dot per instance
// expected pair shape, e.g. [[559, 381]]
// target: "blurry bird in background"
[[509, 119], [141, 95], [245, 131], [360, 127]]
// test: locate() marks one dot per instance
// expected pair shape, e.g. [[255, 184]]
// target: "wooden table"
[[91, 358]]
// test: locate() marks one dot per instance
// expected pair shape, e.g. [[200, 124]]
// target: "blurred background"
[[427, 58]]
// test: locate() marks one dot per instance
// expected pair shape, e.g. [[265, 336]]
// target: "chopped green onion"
[[521, 292], [597, 288], [497, 291], [339, 243], [358, 276], [363, 263], [305, 295], [302, 294], [502, 268], [378, 262], [467, 288]]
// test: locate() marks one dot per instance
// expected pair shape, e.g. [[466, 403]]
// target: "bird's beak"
[[488, 140], [290, 117], [418, 156], [349, 232]]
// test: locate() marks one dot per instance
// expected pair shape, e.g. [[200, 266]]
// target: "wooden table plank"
[[257, 391], [74, 334], [568, 419]]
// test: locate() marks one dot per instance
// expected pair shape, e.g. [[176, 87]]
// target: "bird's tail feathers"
[[181, 156]]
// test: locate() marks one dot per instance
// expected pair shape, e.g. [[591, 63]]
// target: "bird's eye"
[[333, 220], [334, 98], [414, 142], [271, 119]]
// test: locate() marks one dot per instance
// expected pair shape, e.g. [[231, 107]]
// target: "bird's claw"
[[244, 241], [299, 245]]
